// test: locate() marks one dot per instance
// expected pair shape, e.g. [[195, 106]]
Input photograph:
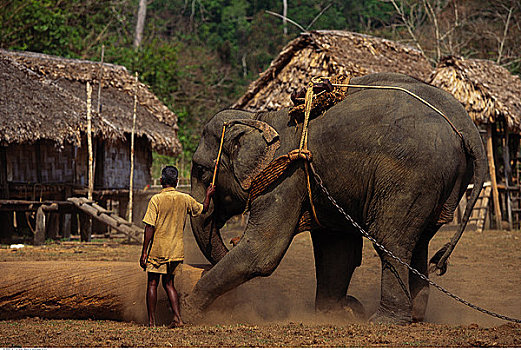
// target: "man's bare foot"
[[175, 324]]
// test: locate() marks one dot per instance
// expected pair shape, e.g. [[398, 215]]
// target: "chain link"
[[392, 255]]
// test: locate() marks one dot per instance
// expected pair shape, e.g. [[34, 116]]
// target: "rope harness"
[[278, 166]]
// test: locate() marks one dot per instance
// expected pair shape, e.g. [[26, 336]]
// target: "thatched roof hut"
[[487, 90], [326, 53], [44, 98]]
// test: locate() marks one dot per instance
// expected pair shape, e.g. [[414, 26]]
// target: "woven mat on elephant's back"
[[322, 101]]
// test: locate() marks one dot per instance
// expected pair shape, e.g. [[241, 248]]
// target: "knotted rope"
[[273, 171]]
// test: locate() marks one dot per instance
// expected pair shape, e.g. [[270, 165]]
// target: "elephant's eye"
[[206, 177], [197, 170], [201, 172]]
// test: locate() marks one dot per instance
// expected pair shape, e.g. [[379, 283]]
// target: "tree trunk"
[[83, 289], [285, 16], [140, 25]]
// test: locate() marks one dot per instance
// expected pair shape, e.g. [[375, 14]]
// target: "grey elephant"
[[391, 161]]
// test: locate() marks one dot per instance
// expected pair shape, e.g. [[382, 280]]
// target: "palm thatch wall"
[[326, 53], [487, 90]]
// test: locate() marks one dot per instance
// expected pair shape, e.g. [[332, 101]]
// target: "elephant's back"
[[389, 136], [393, 122]]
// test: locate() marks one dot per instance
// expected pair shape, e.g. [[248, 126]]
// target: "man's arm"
[[149, 234], [209, 194]]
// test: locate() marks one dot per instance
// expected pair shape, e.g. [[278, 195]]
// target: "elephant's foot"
[[386, 316], [419, 305], [354, 307], [349, 309], [190, 312]]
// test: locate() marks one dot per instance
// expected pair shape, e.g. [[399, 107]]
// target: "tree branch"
[[288, 19], [501, 46], [318, 16], [409, 26]]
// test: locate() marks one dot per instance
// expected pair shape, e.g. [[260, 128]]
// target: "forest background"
[[199, 56]]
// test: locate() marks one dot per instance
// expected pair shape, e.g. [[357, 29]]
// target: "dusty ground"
[[277, 311]]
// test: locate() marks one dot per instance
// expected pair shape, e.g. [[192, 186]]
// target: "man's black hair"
[[169, 176]]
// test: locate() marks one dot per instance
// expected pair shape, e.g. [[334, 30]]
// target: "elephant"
[[389, 160]]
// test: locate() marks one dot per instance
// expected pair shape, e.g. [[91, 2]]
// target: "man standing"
[[163, 249]]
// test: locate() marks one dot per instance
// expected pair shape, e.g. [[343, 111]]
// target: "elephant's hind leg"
[[399, 231], [420, 288], [336, 257]]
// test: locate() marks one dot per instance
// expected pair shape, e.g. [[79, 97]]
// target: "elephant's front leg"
[[270, 230], [336, 258]]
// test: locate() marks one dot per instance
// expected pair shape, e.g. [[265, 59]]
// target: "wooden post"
[[508, 173], [53, 225], [39, 236], [85, 227], [131, 186], [89, 141], [74, 223], [41, 225], [492, 169]]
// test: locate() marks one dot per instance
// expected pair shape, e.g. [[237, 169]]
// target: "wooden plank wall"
[[117, 165], [4, 189], [43, 162]]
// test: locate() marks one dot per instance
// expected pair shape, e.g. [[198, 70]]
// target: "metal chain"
[[391, 254]]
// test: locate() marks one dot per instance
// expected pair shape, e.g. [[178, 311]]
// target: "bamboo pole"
[[216, 166], [89, 141], [131, 186], [492, 169]]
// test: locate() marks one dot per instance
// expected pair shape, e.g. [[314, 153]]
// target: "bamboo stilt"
[[492, 169], [131, 186], [89, 140]]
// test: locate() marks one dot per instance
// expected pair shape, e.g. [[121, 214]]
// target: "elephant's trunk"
[[205, 227]]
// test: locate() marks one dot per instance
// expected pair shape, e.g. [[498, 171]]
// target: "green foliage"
[[199, 56], [35, 25], [156, 63]]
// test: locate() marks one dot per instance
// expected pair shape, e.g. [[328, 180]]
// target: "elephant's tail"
[[476, 152]]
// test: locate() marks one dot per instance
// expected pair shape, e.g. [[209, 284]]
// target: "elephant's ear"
[[251, 145]]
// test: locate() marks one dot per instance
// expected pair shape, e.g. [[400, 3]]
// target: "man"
[[163, 247]]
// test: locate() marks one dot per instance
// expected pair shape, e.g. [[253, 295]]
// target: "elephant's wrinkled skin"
[[389, 160]]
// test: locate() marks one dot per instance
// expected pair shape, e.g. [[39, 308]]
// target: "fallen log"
[[84, 290]]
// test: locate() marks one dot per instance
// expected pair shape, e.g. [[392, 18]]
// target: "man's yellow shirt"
[[167, 212]]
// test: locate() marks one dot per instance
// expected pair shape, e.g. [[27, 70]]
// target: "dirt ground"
[[277, 311]]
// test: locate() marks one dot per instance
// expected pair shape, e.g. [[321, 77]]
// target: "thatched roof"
[[486, 89], [44, 97], [326, 53]]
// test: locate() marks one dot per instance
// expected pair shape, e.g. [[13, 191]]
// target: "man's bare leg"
[[153, 281], [171, 292]]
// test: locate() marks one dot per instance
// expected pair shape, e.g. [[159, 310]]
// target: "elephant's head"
[[249, 145]]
